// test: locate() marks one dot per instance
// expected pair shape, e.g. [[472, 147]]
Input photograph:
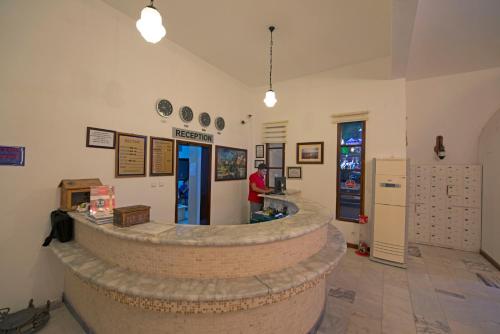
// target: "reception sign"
[[12, 155], [192, 135]]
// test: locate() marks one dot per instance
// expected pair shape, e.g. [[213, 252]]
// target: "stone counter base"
[[107, 312], [163, 260]]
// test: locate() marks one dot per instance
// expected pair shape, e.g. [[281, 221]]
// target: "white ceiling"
[[453, 36], [428, 37], [310, 36]]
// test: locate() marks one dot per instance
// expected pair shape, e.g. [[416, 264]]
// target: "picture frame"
[[161, 156], [100, 138], [259, 151], [258, 162], [230, 163], [131, 150], [310, 153], [294, 172]]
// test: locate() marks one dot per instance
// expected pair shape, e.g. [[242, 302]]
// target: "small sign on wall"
[[12, 155]]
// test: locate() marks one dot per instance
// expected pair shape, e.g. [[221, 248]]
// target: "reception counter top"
[[165, 278], [309, 217]]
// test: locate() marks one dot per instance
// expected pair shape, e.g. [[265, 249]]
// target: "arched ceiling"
[[423, 38]]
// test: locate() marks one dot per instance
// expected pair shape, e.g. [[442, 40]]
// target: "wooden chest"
[[75, 192], [131, 215]]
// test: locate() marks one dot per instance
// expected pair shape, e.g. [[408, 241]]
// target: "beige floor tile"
[[459, 328], [362, 323], [62, 322]]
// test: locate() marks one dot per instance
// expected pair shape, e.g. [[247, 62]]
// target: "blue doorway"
[[193, 183]]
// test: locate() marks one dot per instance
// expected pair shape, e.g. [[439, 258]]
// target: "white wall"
[[456, 107], [76, 63], [489, 157], [308, 102]]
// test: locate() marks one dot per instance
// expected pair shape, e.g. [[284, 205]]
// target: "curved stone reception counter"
[[167, 278]]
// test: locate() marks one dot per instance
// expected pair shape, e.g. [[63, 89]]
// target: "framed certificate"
[[259, 151], [130, 155], [258, 162], [100, 138], [294, 172], [161, 156]]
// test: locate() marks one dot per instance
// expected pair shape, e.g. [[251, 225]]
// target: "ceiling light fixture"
[[270, 99], [150, 24]]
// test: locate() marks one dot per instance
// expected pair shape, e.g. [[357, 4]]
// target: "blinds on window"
[[350, 117], [274, 132]]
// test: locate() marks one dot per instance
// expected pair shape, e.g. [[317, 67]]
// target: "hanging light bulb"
[[270, 99], [150, 24]]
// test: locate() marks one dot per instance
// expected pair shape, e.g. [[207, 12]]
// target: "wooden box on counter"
[[131, 215], [75, 192]]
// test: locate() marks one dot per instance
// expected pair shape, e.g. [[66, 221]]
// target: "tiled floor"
[[442, 291], [62, 322]]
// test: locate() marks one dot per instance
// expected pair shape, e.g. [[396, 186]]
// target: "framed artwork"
[[230, 163], [258, 162], [259, 151], [100, 138], [310, 153], [130, 155], [161, 156], [294, 172]]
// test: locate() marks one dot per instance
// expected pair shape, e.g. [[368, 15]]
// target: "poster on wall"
[[310, 153], [100, 138], [12, 155], [230, 163], [130, 155], [161, 156]]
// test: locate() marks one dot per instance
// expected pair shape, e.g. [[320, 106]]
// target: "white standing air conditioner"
[[389, 233]]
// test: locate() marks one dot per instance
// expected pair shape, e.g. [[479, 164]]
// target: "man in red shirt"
[[257, 186]]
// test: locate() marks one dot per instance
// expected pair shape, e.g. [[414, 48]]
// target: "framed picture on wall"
[[294, 172], [310, 153], [130, 155], [230, 163], [161, 156], [258, 162], [100, 138], [259, 151]]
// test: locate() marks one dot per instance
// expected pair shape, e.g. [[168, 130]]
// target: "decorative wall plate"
[[205, 119], [164, 108], [220, 124], [186, 114]]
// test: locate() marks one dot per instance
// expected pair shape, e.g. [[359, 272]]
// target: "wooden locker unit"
[[390, 211], [446, 205]]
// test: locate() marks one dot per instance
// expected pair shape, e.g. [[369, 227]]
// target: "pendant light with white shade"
[[150, 24], [270, 99]]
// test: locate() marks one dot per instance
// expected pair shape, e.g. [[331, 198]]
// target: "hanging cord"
[[271, 29]]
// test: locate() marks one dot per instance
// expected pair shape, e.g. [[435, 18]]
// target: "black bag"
[[62, 227]]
